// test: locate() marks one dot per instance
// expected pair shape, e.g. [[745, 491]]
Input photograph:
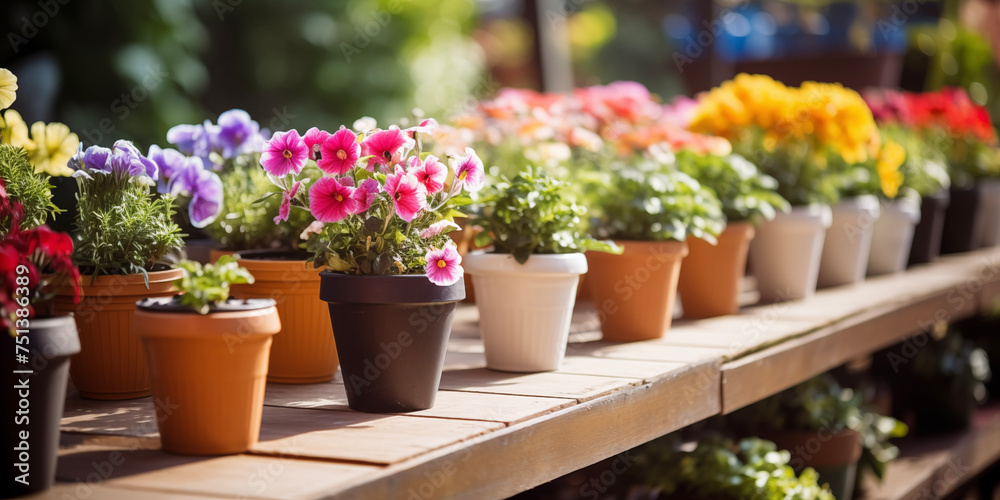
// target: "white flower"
[[365, 124]]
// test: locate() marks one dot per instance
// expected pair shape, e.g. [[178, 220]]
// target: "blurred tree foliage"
[[137, 67]]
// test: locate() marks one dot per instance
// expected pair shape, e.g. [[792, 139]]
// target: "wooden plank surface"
[[933, 467]]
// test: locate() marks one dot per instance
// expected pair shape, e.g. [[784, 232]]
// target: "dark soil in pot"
[[392, 334]]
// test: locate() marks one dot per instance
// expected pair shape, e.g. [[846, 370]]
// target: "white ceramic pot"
[[785, 254], [988, 218], [525, 309], [848, 241], [893, 236]]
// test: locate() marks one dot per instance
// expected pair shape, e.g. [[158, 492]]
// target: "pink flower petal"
[[285, 153], [444, 266], [408, 195], [339, 152], [331, 201]]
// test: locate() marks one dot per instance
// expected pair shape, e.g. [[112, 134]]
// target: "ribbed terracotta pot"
[[893, 236], [525, 310], [785, 254], [212, 368], [111, 364], [848, 242], [834, 455], [927, 235], [304, 351], [712, 275], [635, 292]]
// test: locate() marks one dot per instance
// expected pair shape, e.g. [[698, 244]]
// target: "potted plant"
[[34, 261], [649, 208], [251, 223], [824, 427], [123, 236], [393, 278], [527, 282], [720, 469], [712, 275], [790, 133], [208, 354]]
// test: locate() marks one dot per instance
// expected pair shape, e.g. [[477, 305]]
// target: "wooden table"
[[493, 434]]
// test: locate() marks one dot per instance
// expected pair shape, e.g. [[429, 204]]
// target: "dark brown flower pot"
[[31, 437], [834, 455], [960, 221], [392, 333], [927, 234], [712, 275]]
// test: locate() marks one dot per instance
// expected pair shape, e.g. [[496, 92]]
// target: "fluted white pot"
[[785, 254], [525, 309], [848, 241], [988, 218], [893, 236]]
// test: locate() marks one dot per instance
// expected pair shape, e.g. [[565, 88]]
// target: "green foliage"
[[876, 431], [745, 193], [925, 169], [816, 404], [246, 225], [803, 178], [651, 201], [378, 241], [203, 286], [122, 227], [24, 185], [532, 215], [718, 468]]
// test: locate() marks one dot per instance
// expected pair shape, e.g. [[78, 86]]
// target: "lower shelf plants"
[[208, 355], [527, 284], [720, 469]]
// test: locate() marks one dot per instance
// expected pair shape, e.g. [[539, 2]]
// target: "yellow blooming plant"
[[792, 133], [49, 146]]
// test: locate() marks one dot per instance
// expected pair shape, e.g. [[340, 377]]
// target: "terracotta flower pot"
[[960, 221], [989, 213], [392, 334], [525, 309], [212, 368], [834, 455], [111, 364], [635, 292], [304, 351], [848, 242], [785, 254], [39, 379], [712, 275], [927, 235], [893, 236]]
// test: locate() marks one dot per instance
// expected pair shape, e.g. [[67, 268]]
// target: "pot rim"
[[905, 206], [867, 203], [813, 216], [260, 254], [60, 335], [342, 288], [131, 284], [234, 324], [171, 305], [481, 262]]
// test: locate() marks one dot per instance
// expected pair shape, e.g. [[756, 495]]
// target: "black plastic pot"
[[960, 221], [927, 235], [392, 334], [33, 401]]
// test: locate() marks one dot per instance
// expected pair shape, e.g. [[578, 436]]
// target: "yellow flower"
[[54, 146], [15, 132], [889, 160], [8, 86]]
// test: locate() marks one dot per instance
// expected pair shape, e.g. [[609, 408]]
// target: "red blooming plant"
[[950, 121], [34, 263], [382, 206]]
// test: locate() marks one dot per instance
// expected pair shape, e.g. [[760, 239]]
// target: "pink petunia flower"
[[286, 152], [437, 228], [331, 201], [408, 195], [444, 266], [315, 138], [470, 172], [365, 194], [431, 173], [427, 127], [286, 202], [340, 152], [387, 147]]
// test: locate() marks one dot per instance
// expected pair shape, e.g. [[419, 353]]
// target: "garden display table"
[[492, 434]]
